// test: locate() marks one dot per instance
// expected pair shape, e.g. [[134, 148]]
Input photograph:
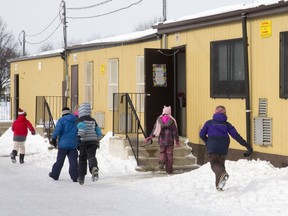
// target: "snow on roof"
[[123, 38], [145, 33], [50, 52], [226, 9]]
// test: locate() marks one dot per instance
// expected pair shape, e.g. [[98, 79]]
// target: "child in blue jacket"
[[215, 134], [66, 132]]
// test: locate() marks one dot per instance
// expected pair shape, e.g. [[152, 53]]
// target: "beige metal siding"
[[38, 77]]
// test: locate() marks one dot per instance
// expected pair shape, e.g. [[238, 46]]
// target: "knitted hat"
[[166, 110], [65, 110], [220, 109], [84, 109], [21, 112]]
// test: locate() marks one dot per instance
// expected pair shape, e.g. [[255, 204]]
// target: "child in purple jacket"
[[215, 134]]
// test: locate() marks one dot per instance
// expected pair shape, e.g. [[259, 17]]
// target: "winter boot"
[[81, 179], [224, 177], [161, 165], [13, 156], [21, 158], [95, 174]]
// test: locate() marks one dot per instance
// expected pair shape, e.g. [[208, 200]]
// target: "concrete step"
[[176, 168], [148, 154], [178, 161]]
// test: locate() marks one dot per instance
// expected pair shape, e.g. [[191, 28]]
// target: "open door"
[[159, 84]]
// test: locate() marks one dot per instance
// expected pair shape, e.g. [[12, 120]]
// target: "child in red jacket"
[[20, 128]]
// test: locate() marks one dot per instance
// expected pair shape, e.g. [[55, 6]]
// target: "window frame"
[[113, 79], [229, 84], [140, 84], [89, 82], [283, 70]]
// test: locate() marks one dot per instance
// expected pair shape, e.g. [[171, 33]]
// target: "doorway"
[[16, 95], [180, 68], [165, 85]]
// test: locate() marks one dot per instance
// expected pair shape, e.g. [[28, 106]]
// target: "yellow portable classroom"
[[233, 56]]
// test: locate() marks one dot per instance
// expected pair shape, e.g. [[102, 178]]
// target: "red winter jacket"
[[20, 125]]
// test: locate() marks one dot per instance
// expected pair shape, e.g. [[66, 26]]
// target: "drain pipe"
[[164, 19], [247, 86]]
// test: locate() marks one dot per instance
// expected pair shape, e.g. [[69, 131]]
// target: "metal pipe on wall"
[[247, 82]]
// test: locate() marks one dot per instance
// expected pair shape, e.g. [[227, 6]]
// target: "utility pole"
[[23, 52], [23, 42], [164, 11], [164, 19], [65, 54]]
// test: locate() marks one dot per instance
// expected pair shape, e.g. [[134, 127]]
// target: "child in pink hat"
[[166, 130]]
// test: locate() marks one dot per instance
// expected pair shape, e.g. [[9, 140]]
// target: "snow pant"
[[166, 157], [19, 147], [72, 155], [87, 152], [217, 163]]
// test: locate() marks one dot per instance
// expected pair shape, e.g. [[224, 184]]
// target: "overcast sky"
[[39, 17]]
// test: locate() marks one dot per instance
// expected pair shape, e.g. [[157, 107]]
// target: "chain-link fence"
[[5, 107]]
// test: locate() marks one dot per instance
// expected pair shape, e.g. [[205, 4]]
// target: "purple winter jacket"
[[215, 134]]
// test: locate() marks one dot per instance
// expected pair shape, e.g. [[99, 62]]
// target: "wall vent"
[[263, 107], [262, 131], [100, 119]]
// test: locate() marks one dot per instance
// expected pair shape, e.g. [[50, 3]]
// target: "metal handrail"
[[132, 128], [51, 124]]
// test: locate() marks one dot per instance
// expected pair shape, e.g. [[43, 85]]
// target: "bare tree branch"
[[147, 24], [8, 50]]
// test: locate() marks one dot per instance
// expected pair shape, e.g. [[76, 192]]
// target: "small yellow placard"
[[102, 69], [266, 29]]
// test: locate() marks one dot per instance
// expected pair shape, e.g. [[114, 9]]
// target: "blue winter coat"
[[66, 130], [215, 134]]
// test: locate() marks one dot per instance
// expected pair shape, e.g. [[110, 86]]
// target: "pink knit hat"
[[166, 110], [220, 109]]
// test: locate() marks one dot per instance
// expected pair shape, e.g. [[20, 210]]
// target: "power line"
[[91, 6], [45, 28], [111, 12], [45, 38]]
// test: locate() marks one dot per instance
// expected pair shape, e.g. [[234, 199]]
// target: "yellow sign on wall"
[[266, 29], [102, 69]]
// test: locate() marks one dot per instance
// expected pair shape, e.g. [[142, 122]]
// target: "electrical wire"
[[45, 28], [168, 54], [104, 14], [45, 38], [91, 6], [61, 21]]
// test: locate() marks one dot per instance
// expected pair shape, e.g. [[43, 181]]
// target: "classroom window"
[[140, 83], [283, 64], [88, 83], [112, 81], [227, 69]]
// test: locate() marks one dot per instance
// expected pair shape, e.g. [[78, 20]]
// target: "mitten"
[[148, 139], [33, 133], [54, 142], [78, 142]]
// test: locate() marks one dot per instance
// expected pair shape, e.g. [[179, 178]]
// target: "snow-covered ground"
[[254, 188]]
